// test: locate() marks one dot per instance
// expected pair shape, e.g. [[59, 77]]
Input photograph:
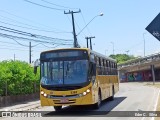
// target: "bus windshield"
[[64, 72]]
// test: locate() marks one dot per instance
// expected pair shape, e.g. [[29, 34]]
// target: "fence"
[[14, 99], [20, 92], [7, 89]]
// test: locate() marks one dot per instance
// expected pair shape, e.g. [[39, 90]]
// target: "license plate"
[[64, 100]]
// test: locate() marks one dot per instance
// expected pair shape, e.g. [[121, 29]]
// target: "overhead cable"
[[58, 5], [26, 19], [44, 5], [32, 28], [31, 34]]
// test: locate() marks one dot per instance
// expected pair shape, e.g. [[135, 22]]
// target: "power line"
[[81, 34], [29, 39], [11, 46], [20, 43], [32, 28], [8, 43], [31, 34], [41, 44], [22, 38], [79, 27], [57, 5], [85, 24], [62, 31], [14, 49], [17, 21], [17, 43], [44, 6]]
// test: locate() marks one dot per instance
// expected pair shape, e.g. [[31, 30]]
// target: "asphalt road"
[[131, 97]]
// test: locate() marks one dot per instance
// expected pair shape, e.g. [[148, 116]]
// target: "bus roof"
[[66, 49], [103, 56], [91, 51]]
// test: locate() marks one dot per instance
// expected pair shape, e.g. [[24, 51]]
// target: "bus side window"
[[109, 66], [99, 67], [106, 67], [116, 65], [115, 68], [104, 72], [112, 68]]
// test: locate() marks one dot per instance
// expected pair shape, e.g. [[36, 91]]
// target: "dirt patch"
[[157, 84]]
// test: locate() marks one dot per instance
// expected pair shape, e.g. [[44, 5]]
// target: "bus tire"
[[58, 108], [98, 104], [112, 97]]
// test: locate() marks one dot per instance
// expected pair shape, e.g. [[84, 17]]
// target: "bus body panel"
[[74, 100], [105, 83]]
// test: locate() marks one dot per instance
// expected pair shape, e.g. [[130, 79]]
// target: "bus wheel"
[[98, 104], [57, 108], [112, 97]]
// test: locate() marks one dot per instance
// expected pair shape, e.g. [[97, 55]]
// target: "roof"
[[90, 51]]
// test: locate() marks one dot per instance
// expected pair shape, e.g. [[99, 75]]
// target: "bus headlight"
[[42, 92], [88, 90], [45, 95], [84, 93]]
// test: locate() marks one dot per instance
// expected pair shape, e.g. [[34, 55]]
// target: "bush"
[[18, 76]]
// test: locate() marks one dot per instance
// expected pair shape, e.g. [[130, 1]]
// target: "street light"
[[101, 14], [144, 43], [113, 47]]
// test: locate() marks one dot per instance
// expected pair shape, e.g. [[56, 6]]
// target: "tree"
[[122, 57], [18, 78]]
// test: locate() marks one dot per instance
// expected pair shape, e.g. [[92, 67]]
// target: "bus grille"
[[69, 101], [60, 96]]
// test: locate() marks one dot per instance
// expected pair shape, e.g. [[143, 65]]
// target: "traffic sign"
[[154, 27]]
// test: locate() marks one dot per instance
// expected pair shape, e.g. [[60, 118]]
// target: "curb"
[[23, 108]]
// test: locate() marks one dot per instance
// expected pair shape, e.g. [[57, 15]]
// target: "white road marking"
[[155, 105], [151, 103]]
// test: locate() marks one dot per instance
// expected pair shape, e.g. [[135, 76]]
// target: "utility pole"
[[153, 74], [90, 38], [30, 52], [87, 41], [91, 42], [74, 32]]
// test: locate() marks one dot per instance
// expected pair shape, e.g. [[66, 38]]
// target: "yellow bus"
[[76, 76]]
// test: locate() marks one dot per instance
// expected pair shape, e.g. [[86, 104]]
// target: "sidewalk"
[[25, 106]]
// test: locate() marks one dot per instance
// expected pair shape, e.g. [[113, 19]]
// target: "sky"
[[122, 26]]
